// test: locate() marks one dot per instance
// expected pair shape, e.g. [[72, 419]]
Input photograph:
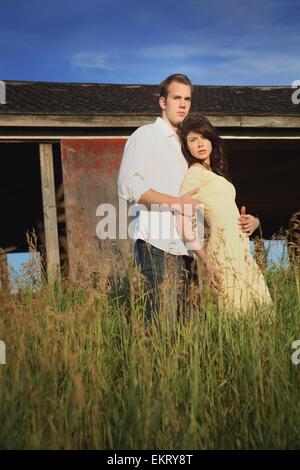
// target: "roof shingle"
[[93, 99]]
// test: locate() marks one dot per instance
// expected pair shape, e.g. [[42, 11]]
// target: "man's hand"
[[247, 222], [186, 204]]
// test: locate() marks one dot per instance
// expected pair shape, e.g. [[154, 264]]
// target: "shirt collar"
[[164, 128]]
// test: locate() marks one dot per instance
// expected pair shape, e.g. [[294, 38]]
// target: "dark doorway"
[[20, 194], [266, 177], [21, 201]]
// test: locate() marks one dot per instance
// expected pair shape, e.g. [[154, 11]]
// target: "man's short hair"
[[176, 77]]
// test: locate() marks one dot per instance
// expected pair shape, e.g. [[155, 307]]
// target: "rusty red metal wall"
[[90, 170]]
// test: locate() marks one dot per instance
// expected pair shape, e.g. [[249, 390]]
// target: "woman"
[[239, 282]]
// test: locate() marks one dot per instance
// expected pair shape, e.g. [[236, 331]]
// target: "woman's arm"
[[193, 243]]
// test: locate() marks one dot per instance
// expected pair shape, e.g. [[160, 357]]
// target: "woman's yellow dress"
[[243, 284]]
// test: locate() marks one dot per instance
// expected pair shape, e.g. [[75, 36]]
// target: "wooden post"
[[4, 275], [49, 209], [259, 252], [294, 235]]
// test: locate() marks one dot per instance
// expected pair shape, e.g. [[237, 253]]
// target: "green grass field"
[[80, 372]]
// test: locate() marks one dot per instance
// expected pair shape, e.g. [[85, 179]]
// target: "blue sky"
[[276, 255], [134, 41]]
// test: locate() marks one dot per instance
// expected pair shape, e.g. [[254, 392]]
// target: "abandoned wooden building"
[[67, 139]]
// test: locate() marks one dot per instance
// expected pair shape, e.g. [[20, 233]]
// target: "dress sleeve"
[[195, 178]]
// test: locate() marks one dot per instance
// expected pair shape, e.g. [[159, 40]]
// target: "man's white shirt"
[[153, 159]]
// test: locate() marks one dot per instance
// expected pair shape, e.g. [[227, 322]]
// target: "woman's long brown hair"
[[201, 125]]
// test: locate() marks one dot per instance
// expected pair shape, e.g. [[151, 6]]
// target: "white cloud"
[[172, 51], [90, 60]]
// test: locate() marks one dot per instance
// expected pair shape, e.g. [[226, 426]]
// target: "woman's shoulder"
[[198, 171], [194, 177], [199, 167]]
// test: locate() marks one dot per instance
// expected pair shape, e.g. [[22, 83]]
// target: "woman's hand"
[[247, 222], [186, 204]]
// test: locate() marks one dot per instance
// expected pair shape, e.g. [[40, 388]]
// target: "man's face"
[[177, 105]]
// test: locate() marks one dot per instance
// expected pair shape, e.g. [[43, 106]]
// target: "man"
[[151, 174]]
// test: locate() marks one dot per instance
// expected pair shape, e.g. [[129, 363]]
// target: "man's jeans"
[[167, 280]]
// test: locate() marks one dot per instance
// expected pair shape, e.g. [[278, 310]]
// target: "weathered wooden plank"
[[49, 209], [260, 253], [4, 275], [237, 136], [295, 235], [75, 121], [136, 121]]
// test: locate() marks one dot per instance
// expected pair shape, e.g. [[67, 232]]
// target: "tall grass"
[[82, 373]]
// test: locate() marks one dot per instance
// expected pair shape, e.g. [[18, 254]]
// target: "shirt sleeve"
[[133, 180]]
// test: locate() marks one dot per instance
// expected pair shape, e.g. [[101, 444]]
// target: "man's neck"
[[164, 118]]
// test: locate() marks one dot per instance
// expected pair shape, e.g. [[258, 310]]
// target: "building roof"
[[93, 99]]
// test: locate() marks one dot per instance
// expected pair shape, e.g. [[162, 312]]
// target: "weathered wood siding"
[[90, 170]]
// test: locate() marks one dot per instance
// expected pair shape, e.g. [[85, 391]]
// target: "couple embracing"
[[170, 167]]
